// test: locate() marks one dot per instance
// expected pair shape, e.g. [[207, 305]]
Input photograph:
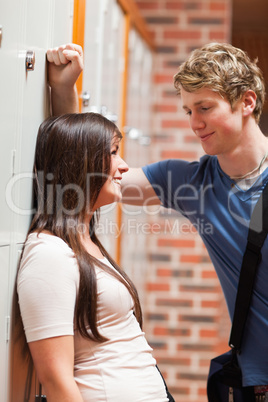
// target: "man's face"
[[218, 127]]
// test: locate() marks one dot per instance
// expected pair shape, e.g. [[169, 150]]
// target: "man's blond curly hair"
[[225, 69]]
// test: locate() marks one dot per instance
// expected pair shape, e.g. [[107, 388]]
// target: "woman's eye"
[[114, 151]]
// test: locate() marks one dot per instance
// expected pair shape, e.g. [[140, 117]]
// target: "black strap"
[[170, 397], [258, 229]]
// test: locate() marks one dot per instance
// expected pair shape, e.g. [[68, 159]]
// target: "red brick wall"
[[185, 315]]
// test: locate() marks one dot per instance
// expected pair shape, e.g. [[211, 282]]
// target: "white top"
[[118, 370]]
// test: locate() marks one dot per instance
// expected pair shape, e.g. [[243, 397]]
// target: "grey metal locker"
[[25, 26]]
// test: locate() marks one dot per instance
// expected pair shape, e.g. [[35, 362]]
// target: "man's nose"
[[196, 122]]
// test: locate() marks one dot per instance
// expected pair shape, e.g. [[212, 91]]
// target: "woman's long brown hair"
[[72, 163]]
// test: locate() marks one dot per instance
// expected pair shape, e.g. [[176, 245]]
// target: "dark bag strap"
[[258, 229], [170, 397]]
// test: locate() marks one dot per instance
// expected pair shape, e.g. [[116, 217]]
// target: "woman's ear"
[[248, 102]]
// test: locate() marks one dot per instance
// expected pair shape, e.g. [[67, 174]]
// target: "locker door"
[[61, 22], [113, 63], [138, 100], [4, 321], [102, 77], [11, 25], [47, 23], [44, 24], [111, 99], [21, 386], [138, 132], [103, 49], [32, 107], [93, 45]]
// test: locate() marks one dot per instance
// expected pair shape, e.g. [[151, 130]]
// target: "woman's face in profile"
[[111, 190]]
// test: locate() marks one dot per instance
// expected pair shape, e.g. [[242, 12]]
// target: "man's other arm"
[[137, 190]]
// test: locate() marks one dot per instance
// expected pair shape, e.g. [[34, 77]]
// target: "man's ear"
[[248, 102]]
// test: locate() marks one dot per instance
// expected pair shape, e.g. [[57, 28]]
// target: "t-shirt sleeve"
[[47, 286], [170, 179]]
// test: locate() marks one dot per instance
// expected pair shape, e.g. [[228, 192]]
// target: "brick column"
[[185, 316]]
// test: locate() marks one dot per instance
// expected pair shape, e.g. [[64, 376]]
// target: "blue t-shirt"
[[221, 212]]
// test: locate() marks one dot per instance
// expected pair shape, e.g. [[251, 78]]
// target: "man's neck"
[[248, 157]]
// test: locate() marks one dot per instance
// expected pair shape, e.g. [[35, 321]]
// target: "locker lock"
[[86, 98], [30, 60]]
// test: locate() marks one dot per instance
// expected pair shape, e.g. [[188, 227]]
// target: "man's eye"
[[189, 113]]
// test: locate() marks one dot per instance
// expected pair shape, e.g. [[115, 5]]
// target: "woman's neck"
[[90, 246]]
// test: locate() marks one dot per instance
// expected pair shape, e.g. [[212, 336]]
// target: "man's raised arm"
[[137, 190], [65, 63]]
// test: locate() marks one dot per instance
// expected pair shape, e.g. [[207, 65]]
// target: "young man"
[[222, 92]]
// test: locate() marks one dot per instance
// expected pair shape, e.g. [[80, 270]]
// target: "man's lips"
[[206, 136]]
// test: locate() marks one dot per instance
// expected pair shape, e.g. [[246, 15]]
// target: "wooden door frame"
[[78, 38]]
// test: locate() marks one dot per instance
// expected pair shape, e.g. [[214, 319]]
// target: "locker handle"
[[30, 60]]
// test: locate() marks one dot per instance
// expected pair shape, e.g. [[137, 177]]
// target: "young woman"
[[80, 311]]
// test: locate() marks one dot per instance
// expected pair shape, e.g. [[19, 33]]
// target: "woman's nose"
[[122, 166]]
